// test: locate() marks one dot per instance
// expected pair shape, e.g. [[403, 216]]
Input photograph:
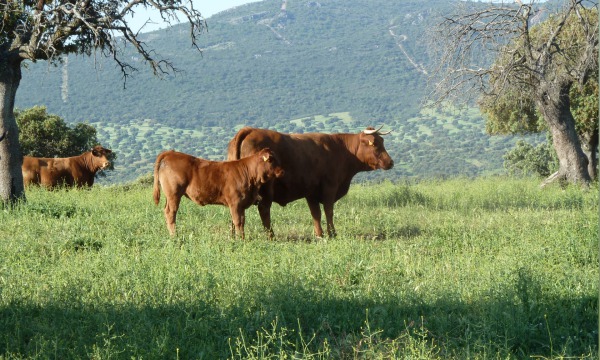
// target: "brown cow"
[[72, 171], [318, 167], [231, 183]]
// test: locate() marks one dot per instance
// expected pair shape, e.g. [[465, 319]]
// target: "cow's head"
[[371, 150], [101, 156], [268, 166]]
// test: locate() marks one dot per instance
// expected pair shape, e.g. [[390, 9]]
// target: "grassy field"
[[483, 269]]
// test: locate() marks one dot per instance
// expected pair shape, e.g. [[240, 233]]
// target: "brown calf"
[[231, 183], [72, 171]]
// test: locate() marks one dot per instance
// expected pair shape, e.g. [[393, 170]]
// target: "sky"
[[206, 7]]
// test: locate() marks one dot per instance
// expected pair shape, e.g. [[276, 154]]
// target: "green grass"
[[485, 268]]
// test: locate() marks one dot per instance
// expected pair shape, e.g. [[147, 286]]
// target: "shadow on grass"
[[518, 322], [401, 232]]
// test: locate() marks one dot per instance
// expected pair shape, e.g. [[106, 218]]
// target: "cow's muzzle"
[[388, 165]]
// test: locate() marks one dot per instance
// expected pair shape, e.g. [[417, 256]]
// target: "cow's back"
[[177, 172], [249, 141], [52, 172], [176, 167]]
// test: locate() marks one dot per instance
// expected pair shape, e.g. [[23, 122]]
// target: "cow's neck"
[[87, 159], [248, 175], [352, 145]]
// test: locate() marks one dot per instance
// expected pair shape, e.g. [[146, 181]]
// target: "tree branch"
[[60, 27], [485, 49]]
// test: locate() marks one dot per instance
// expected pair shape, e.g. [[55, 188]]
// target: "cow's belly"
[[285, 194], [205, 194]]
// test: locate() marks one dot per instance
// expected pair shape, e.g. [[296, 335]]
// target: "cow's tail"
[[156, 192], [234, 148]]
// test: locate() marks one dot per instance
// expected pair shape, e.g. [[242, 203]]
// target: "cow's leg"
[[328, 208], [29, 178], [315, 211], [171, 207], [264, 210], [238, 217]]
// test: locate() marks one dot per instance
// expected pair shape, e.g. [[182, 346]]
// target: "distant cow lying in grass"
[[231, 183], [72, 171]]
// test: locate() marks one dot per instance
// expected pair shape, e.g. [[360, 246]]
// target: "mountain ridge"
[[293, 69]]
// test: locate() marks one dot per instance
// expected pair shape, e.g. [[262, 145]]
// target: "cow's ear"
[[267, 154]]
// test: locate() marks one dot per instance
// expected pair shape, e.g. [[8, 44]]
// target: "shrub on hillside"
[[525, 159]]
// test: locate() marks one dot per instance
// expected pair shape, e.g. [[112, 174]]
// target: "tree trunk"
[[592, 153], [573, 163], [11, 178]]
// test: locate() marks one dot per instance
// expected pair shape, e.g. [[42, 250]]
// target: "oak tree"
[[508, 115], [48, 135], [535, 66]]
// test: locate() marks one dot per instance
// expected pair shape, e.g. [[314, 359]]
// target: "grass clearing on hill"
[[485, 268]]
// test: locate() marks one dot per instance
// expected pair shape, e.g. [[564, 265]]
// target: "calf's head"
[[100, 157], [371, 150], [268, 166]]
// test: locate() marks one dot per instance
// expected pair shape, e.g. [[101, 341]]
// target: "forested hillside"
[[294, 66]]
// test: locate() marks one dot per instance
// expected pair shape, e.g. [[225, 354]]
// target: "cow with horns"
[[318, 167]]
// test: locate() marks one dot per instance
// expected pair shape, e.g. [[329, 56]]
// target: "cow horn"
[[265, 158], [370, 132]]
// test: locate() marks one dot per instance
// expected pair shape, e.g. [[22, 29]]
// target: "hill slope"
[[328, 65]]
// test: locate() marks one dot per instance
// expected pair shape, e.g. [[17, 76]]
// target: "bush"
[[46, 135], [525, 159]]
